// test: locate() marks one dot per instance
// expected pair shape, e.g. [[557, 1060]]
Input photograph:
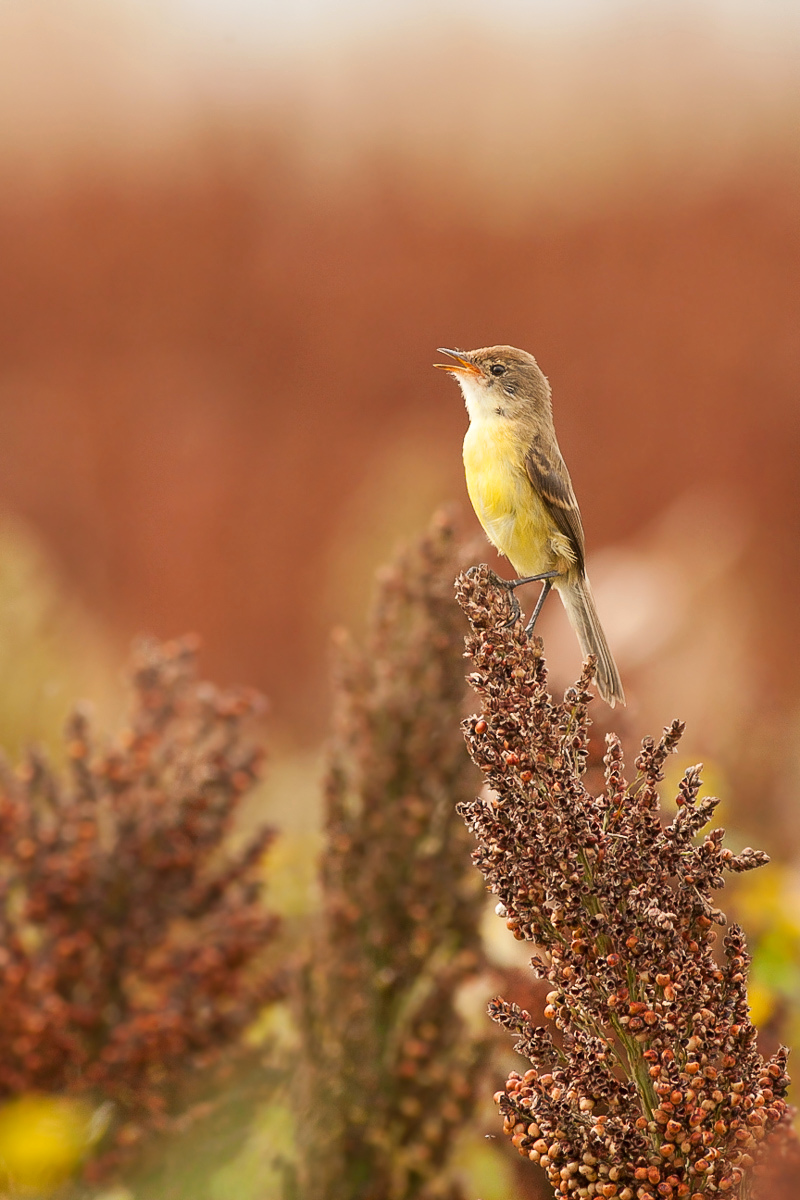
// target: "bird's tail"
[[579, 602]]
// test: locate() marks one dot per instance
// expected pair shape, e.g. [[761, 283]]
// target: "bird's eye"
[[497, 369]]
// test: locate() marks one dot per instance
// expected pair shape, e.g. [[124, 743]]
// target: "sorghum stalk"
[[647, 1082]]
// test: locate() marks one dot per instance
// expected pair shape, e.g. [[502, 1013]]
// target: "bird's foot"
[[507, 585], [511, 585], [516, 612]]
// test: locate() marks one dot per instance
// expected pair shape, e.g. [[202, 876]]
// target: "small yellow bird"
[[521, 490]]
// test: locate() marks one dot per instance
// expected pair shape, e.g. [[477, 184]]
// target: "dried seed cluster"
[[401, 905], [130, 943], [648, 1082]]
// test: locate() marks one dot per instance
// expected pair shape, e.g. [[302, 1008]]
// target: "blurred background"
[[232, 234]]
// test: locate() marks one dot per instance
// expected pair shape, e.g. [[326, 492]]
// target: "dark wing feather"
[[550, 479]]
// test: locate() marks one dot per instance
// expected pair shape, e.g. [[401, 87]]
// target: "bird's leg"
[[548, 583], [515, 583], [512, 584]]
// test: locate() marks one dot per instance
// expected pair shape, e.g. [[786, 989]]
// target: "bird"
[[522, 493]]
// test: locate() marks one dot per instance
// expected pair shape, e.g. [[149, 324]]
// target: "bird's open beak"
[[462, 366]]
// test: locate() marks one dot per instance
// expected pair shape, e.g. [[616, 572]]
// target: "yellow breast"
[[511, 513]]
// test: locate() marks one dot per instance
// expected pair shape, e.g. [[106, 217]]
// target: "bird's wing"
[[550, 479]]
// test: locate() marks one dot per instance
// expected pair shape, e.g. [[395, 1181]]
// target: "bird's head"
[[499, 380]]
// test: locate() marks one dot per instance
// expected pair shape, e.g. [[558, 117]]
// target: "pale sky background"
[[109, 76], [299, 21], [267, 31]]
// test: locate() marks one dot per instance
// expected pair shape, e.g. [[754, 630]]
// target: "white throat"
[[481, 403]]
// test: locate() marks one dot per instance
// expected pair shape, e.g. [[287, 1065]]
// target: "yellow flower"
[[43, 1140]]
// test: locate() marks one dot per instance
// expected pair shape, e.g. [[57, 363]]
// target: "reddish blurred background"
[[232, 235], [226, 270]]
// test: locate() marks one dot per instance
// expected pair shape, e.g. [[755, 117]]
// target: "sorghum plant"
[[401, 905], [648, 1082], [130, 943]]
